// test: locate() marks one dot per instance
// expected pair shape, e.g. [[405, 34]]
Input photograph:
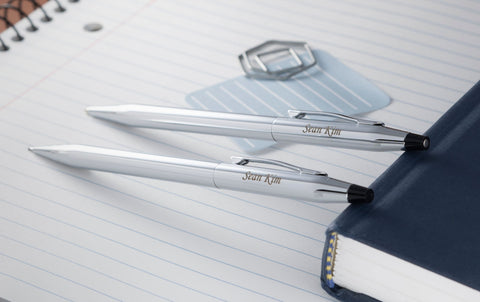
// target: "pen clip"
[[301, 114], [243, 161]]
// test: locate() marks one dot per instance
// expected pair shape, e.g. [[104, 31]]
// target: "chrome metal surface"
[[306, 127], [254, 65], [243, 161], [290, 182], [338, 133], [303, 114], [283, 183], [208, 122], [130, 163]]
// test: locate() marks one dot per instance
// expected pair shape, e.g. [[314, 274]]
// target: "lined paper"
[[68, 234]]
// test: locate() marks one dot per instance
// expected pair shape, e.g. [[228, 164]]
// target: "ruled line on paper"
[[77, 55], [336, 94], [266, 26], [372, 17], [83, 229], [456, 5], [367, 66], [57, 275], [153, 256], [415, 18], [402, 75], [349, 36], [374, 29], [251, 94], [34, 286], [432, 10], [177, 38], [147, 29], [138, 250], [81, 265], [88, 249]]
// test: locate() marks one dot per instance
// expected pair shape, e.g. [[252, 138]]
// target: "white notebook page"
[[68, 234]]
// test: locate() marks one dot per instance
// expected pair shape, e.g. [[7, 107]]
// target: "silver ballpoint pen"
[[307, 127], [265, 176]]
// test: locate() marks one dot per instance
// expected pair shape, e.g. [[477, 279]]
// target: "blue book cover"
[[427, 204]]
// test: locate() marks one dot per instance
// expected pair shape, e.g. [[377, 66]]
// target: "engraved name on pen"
[[330, 131], [269, 179]]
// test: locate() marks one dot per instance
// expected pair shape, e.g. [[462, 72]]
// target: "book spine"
[[327, 273], [329, 259]]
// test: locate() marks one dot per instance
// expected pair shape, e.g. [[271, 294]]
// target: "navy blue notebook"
[[427, 204]]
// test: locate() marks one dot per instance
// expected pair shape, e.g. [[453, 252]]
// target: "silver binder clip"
[[277, 60]]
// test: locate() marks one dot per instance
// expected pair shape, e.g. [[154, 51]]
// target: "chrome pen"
[[306, 127], [263, 176]]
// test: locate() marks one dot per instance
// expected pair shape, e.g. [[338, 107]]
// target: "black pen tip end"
[[359, 194], [416, 142]]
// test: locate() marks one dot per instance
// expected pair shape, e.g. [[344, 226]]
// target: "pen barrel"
[[349, 135], [207, 122], [143, 165], [292, 182], [287, 184]]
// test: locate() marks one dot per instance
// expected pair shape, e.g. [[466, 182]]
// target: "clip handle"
[[298, 114], [243, 161]]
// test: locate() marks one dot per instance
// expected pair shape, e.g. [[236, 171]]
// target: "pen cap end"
[[416, 142], [359, 194]]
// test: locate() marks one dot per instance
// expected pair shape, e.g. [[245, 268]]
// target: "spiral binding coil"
[[6, 8]]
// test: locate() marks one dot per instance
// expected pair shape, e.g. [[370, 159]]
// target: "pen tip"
[[103, 112], [91, 110], [46, 150], [359, 194], [35, 149]]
